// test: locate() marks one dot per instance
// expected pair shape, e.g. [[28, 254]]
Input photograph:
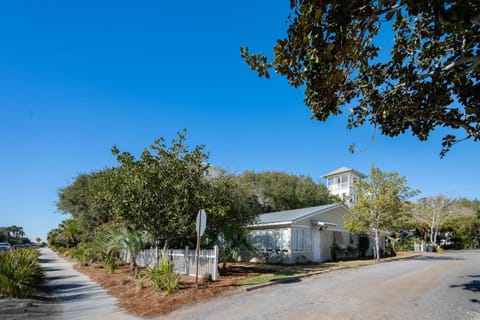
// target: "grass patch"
[[270, 272], [264, 278], [282, 272]]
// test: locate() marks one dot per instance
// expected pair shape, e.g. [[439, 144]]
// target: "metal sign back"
[[201, 222]]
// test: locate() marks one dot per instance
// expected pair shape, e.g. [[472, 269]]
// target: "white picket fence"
[[184, 261], [419, 247]]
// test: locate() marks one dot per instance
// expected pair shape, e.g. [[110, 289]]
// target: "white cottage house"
[[300, 235]]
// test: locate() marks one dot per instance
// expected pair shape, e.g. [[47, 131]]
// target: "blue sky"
[[79, 77]]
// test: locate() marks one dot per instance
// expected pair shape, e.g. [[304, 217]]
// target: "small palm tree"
[[132, 241], [231, 241], [68, 230]]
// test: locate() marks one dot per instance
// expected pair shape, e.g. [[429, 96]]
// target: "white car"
[[5, 246]]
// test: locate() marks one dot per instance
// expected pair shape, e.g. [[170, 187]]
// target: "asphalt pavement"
[[431, 286]]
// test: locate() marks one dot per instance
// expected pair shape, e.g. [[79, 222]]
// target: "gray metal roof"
[[342, 170], [293, 216]]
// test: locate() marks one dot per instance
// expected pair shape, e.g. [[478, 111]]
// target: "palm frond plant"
[[163, 275], [20, 273], [133, 242]]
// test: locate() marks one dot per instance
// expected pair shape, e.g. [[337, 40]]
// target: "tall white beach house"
[[340, 183]]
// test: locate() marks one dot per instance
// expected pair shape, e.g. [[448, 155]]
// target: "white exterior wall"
[[335, 216]]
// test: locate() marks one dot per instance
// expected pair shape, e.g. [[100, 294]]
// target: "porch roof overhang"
[[323, 224], [270, 225]]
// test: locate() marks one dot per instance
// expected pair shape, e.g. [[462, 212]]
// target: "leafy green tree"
[[436, 211], [65, 235], [162, 190], [380, 202], [52, 238], [463, 231], [231, 205], [86, 200], [430, 77], [277, 191], [3, 234], [13, 234]]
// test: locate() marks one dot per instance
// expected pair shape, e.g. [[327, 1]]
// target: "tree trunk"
[[432, 230], [377, 245], [134, 267]]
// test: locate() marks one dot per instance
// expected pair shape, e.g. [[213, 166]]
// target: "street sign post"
[[200, 224]]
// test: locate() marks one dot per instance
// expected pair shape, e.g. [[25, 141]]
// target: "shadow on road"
[[65, 287], [58, 278], [435, 258], [46, 269], [473, 286], [76, 296], [287, 280]]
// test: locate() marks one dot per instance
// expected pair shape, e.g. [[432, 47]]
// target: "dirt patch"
[[140, 297]]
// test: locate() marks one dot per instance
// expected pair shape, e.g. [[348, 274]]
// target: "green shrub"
[[163, 276], [20, 273], [80, 255], [112, 263]]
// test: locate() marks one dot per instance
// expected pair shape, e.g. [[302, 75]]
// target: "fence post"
[[215, 263], [186, 256]]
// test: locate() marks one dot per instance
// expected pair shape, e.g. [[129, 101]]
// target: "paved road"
[[436, 286], [77, 297]]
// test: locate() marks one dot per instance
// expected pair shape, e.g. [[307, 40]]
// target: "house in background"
[[340, 183], [300, 235], [310, 234]]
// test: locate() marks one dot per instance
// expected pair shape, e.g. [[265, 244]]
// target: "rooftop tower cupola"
[[340, 183]]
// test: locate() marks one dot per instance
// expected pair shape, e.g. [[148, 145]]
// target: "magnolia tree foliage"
[[380, 202], [161, 192], [430, 77], [88, 201]]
